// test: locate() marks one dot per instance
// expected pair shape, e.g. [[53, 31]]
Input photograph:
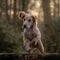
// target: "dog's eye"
[[29, 20]]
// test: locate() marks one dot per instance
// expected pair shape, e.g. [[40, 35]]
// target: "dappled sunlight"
[[41, 15], [52, 7], [57, 1], [34, 12], [10, 3], [10, 13], [35, 8]]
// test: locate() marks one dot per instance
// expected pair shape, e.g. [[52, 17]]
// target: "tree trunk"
[[25, 4], [14, 16], [49, 32], [7, 16], [0, 8]]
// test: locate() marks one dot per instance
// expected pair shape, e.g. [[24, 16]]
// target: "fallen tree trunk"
[[12, 56]]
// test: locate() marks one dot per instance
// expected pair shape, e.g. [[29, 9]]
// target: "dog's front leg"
[[27, 45], [33, 42]]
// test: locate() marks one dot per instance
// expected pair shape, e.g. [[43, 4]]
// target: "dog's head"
[[29, 21]]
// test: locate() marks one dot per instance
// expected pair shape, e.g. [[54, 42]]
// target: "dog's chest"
[[30, 35]]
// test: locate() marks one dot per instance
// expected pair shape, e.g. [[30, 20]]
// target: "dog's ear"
[[35, 19], [21, 14]]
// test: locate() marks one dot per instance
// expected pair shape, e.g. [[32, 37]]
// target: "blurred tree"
[[0, 8], [56, 20], [25, 4], [15, 10], [49, 31], [7, 16]]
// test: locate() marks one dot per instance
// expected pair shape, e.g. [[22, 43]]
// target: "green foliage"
[[10, 38]]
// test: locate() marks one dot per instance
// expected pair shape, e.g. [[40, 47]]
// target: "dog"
[[31, 33]]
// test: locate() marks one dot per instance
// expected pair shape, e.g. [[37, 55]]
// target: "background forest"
[[48, 12]]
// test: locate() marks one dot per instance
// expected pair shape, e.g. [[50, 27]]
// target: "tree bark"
[[14, 16]]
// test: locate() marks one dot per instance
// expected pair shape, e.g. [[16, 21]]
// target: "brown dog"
[[31, 34]]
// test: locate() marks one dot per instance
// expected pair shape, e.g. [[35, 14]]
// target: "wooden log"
[[51, 56], [13, 56]]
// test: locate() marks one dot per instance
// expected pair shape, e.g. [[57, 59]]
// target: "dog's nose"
[[24, 26]]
